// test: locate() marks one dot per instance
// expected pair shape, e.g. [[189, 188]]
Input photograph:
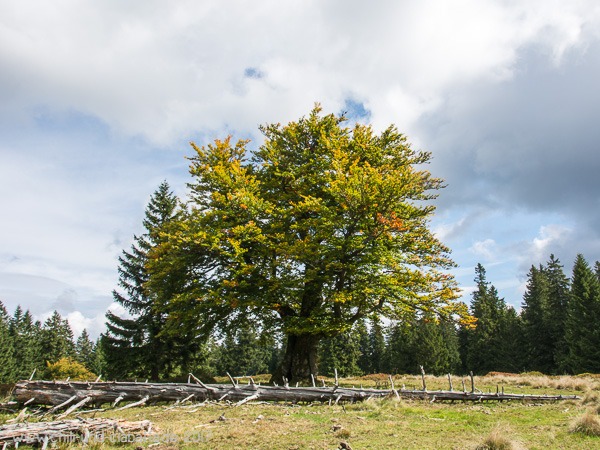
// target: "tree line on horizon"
[[556, 332], [29, 348]]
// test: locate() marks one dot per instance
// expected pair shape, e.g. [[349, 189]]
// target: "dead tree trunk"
[[53, 393], [69, 431]]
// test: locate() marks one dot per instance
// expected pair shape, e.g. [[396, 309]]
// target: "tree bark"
[[63, 394], [69, 431], [299, 360]]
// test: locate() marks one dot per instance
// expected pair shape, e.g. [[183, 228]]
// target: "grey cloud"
[[530, 143], [65, 302]]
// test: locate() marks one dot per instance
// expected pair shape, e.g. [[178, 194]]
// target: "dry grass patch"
[[591, 397], [498, 440], [588, 424]]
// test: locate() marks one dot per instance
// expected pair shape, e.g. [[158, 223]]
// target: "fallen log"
[[56, 393], [9, 406], [72, 431]]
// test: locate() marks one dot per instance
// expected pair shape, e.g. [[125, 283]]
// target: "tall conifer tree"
[[558, 300], [491, 346], [8, 365], [85, 350], [436, 346], [539, 342], [57, 339], [341, 353], [400, 356], [582, 332], [27, 340], [137, 346], [362, 337], [376, 346]]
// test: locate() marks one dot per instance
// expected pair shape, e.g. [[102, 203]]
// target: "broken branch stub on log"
[[54, 393]]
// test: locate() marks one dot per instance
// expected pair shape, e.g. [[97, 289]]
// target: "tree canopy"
[[321, 226]]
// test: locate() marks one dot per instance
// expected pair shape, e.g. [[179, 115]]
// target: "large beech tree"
[[321, 226]]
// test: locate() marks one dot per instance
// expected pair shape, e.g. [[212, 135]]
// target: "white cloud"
[[486, 249], [549, 236], [162, 70], [93, 325]]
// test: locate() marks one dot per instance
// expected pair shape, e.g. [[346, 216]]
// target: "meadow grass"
[[380, 424]]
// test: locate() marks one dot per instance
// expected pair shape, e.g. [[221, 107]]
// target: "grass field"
[[381, 424]]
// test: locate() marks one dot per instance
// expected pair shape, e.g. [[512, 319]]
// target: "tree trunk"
[[72, 431], [299, 360], [74, 395]]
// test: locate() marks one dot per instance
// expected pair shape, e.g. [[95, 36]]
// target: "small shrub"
[[496, 440], [533, 373], [588, 424], [343, 433], [68, 368], [591, 397], [573, 383]]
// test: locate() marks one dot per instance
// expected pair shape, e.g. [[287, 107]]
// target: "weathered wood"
[[53, 393], [9, 406], [68, 431]]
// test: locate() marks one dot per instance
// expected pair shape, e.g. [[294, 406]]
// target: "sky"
[[99, 101]]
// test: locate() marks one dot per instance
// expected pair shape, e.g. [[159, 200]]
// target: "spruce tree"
[[435, 346], [244, 352], [583, 315], [558, 300], [491, 346], [362, 337], [8, 367], [138, 346], [376, 346], [98, 365], [341, 353], [400, 356], [85, 350], [57, 339], [511, 341], [479, 341], [539, 349], [27, 340]]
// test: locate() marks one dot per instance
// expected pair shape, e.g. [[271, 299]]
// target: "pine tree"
[[400, 356], [511, 341], [242, 352], [539, 348], [435, 346], [362, 337], [98, 362], [8, 363], [57, 339], [583, 315], [27, 339], [341, 353], [376, 347], [558, 300], [490, 346], [84, 350], [139, 346]]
